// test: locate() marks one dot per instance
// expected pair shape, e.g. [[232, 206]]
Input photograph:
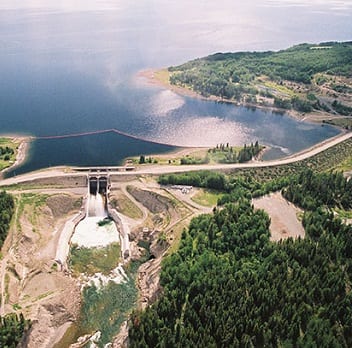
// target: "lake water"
[[71, 66]]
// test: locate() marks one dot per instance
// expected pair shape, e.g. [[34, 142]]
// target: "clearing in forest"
[[283, 215]]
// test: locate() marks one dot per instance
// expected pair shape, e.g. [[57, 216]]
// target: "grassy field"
[[280, 89], [345, 165], [162, 75], [207, 198], [125, 206], [29, 203]]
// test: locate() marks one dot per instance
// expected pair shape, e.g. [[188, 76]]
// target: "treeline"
[[143, 160], [6, 210], [306, 189], [234, 76], [207, 179], [234, 187], [311, 190], [303, 105], [12, 328]]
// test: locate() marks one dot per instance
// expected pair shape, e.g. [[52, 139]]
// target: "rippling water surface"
[[71, 66]]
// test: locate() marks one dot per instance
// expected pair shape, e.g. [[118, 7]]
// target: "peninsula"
[[306, 81]]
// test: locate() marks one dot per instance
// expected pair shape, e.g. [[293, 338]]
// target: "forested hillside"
[[229, 286], [305, 77]]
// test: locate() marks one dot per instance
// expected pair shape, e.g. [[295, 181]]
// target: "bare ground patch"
[[154, 202], [35, 287], [62, 204], [283, 215]]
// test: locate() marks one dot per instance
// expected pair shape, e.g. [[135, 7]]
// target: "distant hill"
[[304, 78]]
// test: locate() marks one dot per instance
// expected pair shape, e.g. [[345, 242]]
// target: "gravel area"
[[283, 215]]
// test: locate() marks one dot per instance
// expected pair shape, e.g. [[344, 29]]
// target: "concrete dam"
[[83, 228]]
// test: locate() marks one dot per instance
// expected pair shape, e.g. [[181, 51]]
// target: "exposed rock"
[[148, 282], [121, 340], [50, 316]]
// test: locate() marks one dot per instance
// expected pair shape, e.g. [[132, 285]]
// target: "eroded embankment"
[[32, 283]]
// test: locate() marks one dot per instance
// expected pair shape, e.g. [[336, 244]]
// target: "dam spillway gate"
[[98, 184], [98, 187]]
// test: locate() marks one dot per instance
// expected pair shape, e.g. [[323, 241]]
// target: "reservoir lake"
[[71, 67]]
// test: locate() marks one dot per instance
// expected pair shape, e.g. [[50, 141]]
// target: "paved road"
[[164, 169]]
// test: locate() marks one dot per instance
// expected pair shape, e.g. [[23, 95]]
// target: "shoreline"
[[160, 78], [21, 151]]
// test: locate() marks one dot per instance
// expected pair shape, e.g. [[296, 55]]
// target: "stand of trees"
[[248, 152], [6, 211], [12, 327], [6, 153], [235, 187], [229, 286], [341, 108], [227, 154], [207, 179]]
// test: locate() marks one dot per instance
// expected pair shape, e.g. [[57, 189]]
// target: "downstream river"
[[72, 66]]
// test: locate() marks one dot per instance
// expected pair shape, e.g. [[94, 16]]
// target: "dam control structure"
[[98, 186]]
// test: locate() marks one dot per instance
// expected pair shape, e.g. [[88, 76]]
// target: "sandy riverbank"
[[160, 78]]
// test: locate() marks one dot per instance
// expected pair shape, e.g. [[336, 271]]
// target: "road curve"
[[165, 169]]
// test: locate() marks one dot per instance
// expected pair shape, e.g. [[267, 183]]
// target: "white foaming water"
[[89, 234], [96, 206], [117, 275]]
